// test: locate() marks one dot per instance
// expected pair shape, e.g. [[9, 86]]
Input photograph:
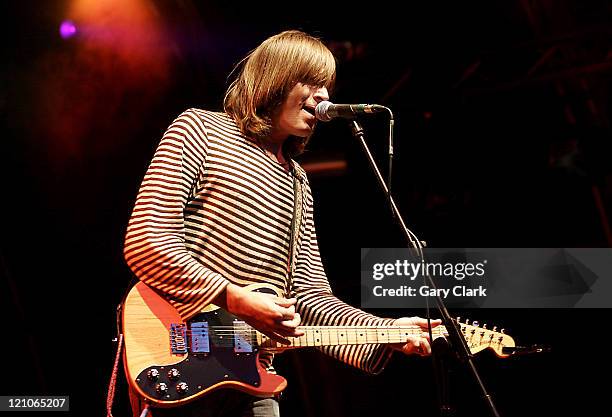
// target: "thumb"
[[285, 302]]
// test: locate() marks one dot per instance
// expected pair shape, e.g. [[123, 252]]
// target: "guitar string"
[[392, 332], [218, 332], [252, 336], [350, 327], [351, 331], [229, 330], [229, 343], [252, 333], [325, 328], [339, 339]]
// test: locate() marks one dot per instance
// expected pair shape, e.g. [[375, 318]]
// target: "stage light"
[[67, 29]]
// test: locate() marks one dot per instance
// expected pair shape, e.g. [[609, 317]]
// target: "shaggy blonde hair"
[[267, 75]]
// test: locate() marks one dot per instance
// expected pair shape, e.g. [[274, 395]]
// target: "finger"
[[422, 347], [293, 323], [285, 302], [411, 345], [277, 337], [436, 323], [419, 321], [285, 313], [412, 348], [289, 327], [288, 331], [416, 346], [425, 348], [423, 324]]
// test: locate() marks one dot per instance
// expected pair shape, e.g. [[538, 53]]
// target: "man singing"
[[215, 209]]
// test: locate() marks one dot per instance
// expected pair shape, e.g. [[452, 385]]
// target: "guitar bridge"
[[178, 338]]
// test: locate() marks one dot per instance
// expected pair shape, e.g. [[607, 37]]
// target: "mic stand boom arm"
[[456, 340]]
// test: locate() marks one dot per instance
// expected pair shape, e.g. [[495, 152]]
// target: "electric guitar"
[[169, 362]]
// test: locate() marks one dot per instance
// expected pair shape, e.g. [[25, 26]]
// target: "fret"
[[382, 334], [395, 335], [350, 335], [369, 336], [334, 332], [360, 335], [405, 332], [438, 332], [392, 337], [342, 339], [295, 341], [317, 337], [375, 336], [325, 336]]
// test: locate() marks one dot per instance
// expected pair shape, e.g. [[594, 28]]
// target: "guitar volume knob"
[[182, 387], [153, 374], [161, 388], [173, 374]]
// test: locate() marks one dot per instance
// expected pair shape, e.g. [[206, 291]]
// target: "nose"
[[321, 95]]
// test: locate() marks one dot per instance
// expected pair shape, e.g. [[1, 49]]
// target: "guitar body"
[[166, 375]]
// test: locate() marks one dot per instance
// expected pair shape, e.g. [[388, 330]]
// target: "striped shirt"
[[212, 209]]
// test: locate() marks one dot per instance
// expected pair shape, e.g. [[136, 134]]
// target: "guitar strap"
[[294, 232]]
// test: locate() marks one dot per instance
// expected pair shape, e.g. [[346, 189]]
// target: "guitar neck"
[[477, 338], [348, 335]]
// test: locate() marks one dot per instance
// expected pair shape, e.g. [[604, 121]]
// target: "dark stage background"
[[502, 140]]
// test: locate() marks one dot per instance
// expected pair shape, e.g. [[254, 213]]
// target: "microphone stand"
[[441, 356], [456, 340]]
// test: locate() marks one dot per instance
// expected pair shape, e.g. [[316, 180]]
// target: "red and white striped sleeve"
[[319, 307], [155, 247]]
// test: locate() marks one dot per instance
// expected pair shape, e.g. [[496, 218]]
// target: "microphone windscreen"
[[321, 111]]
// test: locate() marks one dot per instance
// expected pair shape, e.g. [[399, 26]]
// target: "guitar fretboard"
[[348, 335]]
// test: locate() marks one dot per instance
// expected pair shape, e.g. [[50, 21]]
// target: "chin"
[[307, 131], [302, 133]]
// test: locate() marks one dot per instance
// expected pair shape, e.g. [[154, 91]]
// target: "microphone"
[[325, 110]]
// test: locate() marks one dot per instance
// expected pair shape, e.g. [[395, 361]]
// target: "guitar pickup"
[[200, 342], [242, 337]]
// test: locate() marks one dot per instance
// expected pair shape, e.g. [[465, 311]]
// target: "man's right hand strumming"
[[271, 315]]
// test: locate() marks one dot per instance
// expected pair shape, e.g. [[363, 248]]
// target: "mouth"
[[310, 110]]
